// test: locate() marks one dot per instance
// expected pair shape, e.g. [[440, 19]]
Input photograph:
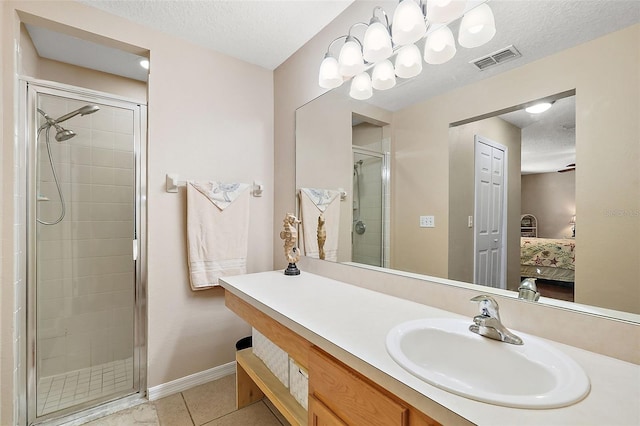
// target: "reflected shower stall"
[[84, 322], [370, 208]]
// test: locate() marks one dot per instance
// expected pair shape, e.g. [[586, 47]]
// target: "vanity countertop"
[[352, 323]]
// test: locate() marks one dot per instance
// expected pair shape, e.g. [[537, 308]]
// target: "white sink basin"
[[444, 353]]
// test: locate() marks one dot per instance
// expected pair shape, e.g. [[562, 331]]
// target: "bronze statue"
[[290, 237]]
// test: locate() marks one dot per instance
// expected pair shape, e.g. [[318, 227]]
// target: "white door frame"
[[503, 251]]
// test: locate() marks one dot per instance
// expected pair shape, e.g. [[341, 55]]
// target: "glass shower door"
[[84, 234], [368, 208]]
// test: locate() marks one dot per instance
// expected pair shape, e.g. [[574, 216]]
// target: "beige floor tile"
[[172, 411], [143, 414], [275, 412], [254, 415], [211, 400]]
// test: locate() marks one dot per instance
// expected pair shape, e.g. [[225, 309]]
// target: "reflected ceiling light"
[[408, 61], [361, 87], [408, 25], [377, 40], [477, 27], [413, 20], [144, 63], [539, 107], [439, 46], [444, 11], [384, 76]]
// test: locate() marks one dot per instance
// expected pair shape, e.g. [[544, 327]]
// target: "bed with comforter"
[[548, 258]]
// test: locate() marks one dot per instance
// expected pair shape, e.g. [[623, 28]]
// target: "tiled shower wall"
[[86, 276]]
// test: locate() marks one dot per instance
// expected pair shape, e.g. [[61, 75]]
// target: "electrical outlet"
[[427, 222]]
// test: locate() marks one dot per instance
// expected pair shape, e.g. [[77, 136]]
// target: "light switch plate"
[[427, 222]]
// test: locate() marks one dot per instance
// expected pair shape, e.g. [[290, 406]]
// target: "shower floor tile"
[[75, 387]]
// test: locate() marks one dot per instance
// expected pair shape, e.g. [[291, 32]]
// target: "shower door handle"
[[135, 250]]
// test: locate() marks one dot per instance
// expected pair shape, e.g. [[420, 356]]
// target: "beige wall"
[[461, 196], [551, 198], [210, 117]]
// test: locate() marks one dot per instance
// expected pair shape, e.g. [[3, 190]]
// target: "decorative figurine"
[[322, 236], [290, 237]]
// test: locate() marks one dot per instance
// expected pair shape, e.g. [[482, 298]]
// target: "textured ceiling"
[[264, 32]]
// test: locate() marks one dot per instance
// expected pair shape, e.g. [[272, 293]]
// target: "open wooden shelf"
[[251, 367]]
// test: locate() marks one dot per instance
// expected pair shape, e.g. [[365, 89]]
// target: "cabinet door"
[[351, 397], [320, 415]]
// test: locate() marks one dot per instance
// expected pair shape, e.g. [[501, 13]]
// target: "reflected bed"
[[548, 258]]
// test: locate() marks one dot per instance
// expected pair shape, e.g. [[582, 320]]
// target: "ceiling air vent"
[[495, 58]]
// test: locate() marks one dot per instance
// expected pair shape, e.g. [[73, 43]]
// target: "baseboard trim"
[[190, 381]]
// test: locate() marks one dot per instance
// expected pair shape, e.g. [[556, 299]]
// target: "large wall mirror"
[[408, 159]]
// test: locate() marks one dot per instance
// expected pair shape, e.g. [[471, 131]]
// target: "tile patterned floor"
[[75, 387], [211, 404]]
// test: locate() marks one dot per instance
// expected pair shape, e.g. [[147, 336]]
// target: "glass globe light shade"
[[444, 11], [361, 87], [408, 23], [408, 61], [384, 76], [329, 77], [477, 27], [377, 43], [439, 46], [350, 60]]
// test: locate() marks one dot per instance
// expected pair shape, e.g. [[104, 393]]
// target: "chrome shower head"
[[63, 134]]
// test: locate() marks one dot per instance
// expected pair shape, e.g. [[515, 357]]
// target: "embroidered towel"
[[217, 231], [314, 202]]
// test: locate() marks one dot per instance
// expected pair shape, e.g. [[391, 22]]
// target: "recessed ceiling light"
[[538, 108], [144, 63]]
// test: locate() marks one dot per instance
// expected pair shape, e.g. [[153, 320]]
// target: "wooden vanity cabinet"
[[338, 395], [342, 396]]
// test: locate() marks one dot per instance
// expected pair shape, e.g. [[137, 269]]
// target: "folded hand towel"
[[217, 231], [322, 198], [313, 203]]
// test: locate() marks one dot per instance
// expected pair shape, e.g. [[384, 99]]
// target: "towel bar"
[[173, 182]]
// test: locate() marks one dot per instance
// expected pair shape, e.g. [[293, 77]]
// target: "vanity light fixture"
[[539, 107], [413, 20], [361, 87], [144, 63], [377, 40], [350, 61], [439, 46], [384, 75]]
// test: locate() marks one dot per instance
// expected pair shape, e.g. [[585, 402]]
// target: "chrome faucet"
[[488, 323], [528, 290]]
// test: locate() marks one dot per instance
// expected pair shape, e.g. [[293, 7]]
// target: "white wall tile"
[[101, 139]]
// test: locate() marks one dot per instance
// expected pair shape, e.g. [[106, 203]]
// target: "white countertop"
[[351, 323]]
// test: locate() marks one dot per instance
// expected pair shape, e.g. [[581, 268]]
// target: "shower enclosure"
[[370, 208], [85, 292]]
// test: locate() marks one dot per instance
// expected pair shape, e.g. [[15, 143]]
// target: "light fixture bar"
[[413, 20]]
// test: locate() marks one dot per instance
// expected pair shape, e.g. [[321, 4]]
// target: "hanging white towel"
[[217, 231], [314, 202]]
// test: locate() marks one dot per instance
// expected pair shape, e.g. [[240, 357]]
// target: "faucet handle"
[[487, 305]]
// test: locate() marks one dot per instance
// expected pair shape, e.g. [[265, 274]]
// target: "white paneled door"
[[490, 202]]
